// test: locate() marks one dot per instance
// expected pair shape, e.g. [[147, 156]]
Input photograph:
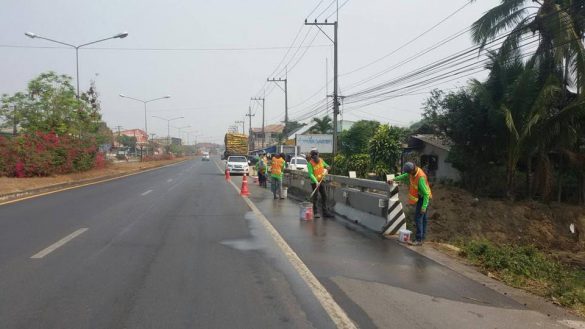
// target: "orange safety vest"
[[318, 169], [276, 166], [414, 179]]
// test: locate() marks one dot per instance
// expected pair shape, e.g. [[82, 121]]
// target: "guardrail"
[[372, 204]]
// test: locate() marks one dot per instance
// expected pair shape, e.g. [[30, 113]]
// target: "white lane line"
[[335, 312], [169, 180], [58, 244], [145, 193]]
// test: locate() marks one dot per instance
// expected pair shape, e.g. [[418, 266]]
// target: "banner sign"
[[323, 143]]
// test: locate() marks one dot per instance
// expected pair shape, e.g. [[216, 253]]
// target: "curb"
[[78, 183]]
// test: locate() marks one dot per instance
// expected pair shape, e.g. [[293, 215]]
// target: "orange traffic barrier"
[[244, 191]]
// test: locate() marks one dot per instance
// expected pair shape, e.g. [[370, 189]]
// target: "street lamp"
[[117, 36], [168, 126], [181, 128], [145, 102]]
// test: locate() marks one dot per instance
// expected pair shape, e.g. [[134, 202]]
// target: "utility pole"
[[250, 115], [263, 135], [285, 80], [335, 76]]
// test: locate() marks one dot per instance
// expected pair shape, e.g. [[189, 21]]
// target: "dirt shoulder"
[[457, 216], [11, 186]]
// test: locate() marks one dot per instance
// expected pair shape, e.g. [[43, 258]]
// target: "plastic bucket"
[[404, 235], [306, 211], [285, 192]]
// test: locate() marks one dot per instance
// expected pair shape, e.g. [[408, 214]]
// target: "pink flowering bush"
[[44, 154]]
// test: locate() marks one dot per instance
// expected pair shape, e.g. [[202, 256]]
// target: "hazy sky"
[[205, 54]]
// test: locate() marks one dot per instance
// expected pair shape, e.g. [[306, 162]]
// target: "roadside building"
[[431, 153], [272, 134]]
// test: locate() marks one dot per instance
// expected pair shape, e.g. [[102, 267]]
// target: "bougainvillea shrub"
[[43, 154]]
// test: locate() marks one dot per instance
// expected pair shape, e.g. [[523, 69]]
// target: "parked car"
[[298, 163], [238, 164], [205, 156]]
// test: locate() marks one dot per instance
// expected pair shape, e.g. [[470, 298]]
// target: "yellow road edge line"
[[335, 312], [86, 184]]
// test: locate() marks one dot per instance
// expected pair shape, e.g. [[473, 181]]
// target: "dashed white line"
[[58, 244], [145, 193], [169, 180]]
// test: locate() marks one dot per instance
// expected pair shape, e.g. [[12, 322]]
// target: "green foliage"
[[385, 148], [360, 163], [322, 126], [339, 165], [526, 267], [355, 140], [127, 141], [292, 126], [50, 105], [176, 149]]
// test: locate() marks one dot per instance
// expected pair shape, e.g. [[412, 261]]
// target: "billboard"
[[323, 143]]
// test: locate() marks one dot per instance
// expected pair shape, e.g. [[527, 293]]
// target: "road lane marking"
[[89, 184], [145, 193], [169, 180], [58, 244], [335, 312]]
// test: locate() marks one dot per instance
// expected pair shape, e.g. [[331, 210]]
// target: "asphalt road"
[[177, 247]]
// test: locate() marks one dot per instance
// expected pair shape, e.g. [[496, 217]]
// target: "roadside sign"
[[323, 143]]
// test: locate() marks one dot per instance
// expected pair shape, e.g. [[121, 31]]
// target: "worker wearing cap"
[[317, 168], [419, 194]]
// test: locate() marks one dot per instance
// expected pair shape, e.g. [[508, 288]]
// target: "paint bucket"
[[255, 179], [285, 192], [306, 211], [404, 235]]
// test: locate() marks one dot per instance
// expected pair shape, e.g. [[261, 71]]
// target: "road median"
[[14, 189]]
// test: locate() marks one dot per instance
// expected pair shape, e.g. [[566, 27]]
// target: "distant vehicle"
[[238, 164], [298, 163], [205, 156]]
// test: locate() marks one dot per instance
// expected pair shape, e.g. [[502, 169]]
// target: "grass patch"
[[527, 268]]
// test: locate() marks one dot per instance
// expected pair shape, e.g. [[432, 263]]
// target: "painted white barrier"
[[372, 204]]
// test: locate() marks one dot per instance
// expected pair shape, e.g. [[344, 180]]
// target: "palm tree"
[[558, 25], [322, 126], [543, 100]]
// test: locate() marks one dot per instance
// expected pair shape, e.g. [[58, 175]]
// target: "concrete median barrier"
[[372, 204]]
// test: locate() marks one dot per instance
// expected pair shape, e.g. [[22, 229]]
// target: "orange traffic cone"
[[244, 191], [227, 175]]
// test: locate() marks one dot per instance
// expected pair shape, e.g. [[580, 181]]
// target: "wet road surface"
[[178, 248]]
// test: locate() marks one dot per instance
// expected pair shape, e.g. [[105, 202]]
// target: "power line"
[[411, 41]]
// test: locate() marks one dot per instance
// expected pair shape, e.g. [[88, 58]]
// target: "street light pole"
[[145, 102], [168, 126], [117, 36], [181, 128]]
